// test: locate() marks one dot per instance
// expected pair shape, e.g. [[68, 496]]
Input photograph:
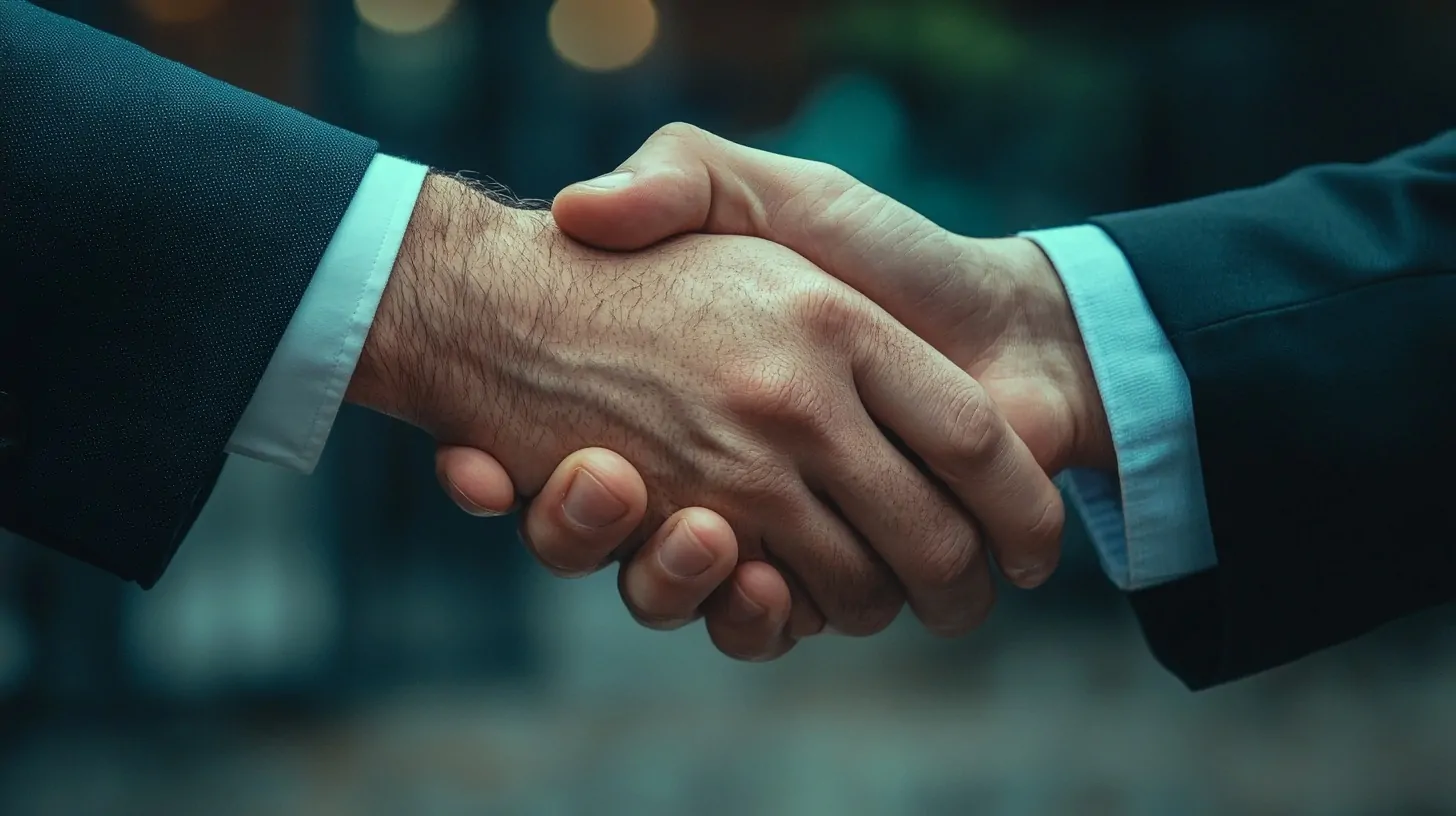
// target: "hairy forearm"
[[403, 359]]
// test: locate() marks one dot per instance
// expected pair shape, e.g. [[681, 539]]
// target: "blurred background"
[[350, 643]]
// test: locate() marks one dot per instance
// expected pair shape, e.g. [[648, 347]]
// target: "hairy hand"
[[735, 376], [995, 307]]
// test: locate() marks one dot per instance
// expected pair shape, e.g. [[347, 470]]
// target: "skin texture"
[[995, 307], [735, 376]]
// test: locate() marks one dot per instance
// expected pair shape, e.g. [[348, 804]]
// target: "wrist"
[[408, 348], [1062, 355]]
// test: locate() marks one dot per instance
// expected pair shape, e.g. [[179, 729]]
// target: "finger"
[[685, 561], [805, 619], [475, 481], [856, 591], [916, 526], [746, 624], [684, 179], [663, 190], [946, 418], [591, 505], [747, 618]]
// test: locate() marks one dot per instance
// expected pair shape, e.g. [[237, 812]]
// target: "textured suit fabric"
[[157, 230], [1313, 317]]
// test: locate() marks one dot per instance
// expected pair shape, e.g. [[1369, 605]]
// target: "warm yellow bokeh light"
[[176, 11], [603, 35], [403, 16]]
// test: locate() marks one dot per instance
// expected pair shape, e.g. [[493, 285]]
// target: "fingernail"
[[611, 181], [742, 609], [683, 555], [589, 504], [469, 506]]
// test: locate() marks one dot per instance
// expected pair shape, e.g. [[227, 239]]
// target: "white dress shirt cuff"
[[1149, 522], [292, 411]]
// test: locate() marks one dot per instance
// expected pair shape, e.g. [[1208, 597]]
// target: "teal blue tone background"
[[349, 643]]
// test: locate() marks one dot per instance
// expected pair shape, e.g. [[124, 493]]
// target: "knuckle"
[[845, 204], [857, 596], [678, 131], [832, 183], [773, 391], [827, 313], [848, 201], [973, 437], [1032, 560], [755, 489], [815, 198], [1046, 531], [945, 564], [837, 178]]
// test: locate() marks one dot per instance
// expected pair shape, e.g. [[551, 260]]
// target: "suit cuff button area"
[[12, 428]]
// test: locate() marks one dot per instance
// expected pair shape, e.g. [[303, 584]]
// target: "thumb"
[[685, 179], [474, 480], [662, 191]]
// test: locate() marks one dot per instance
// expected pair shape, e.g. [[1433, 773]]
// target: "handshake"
[[786, 402]]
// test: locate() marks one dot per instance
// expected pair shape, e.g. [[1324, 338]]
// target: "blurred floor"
[[1028, 719]]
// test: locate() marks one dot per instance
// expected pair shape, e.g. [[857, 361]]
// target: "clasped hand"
[[784, 401]]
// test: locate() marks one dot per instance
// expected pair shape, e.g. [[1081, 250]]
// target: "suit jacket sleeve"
[[1313, 317], [157, 230]]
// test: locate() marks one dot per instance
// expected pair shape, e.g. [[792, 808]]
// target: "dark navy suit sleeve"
[[157, 230], [1314, 318]]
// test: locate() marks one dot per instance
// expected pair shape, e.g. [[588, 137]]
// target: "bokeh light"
[[176, 11], [603, 35], [403, 16]]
